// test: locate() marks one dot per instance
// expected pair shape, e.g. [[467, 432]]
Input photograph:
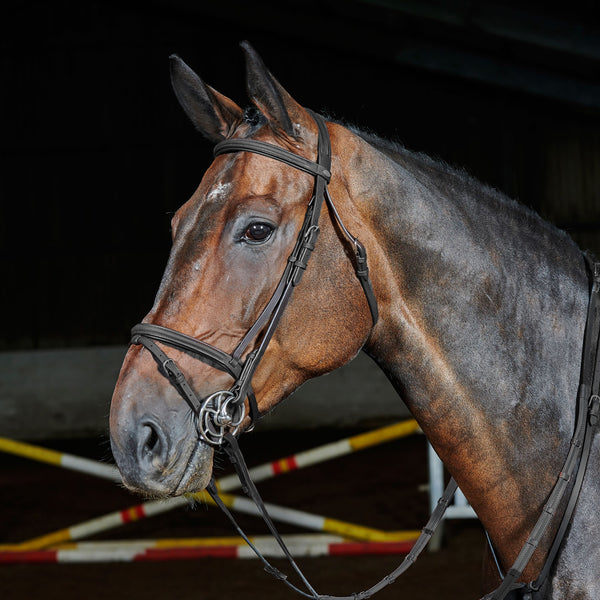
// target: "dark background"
[[96, 154]]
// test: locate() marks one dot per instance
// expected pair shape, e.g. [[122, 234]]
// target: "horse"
[[481, 313]]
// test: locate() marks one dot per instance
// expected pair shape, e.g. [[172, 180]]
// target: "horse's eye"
[[258, 232]]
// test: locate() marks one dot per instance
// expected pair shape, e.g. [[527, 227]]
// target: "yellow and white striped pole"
[[323, 453], [236, 503], [312, 521], [60, 459], [230, 482], [224, 484]]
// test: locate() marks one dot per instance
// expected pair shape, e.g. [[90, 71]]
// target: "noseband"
[[225, 410]]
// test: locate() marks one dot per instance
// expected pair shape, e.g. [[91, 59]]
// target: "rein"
[[220, 415]]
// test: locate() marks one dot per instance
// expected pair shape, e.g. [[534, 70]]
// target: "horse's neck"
[[482, 316]]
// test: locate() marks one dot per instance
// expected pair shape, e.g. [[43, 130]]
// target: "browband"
[[275, 152]]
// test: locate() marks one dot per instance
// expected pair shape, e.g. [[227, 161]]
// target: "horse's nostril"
[[152, 444], [152, 440]]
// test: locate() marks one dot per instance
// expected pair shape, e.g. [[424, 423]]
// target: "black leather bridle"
[[220, 416], [224, 411]]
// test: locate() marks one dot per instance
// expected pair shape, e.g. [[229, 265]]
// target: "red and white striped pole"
[[300, 545]]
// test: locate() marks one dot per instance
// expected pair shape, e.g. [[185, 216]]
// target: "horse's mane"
[[474, 194], [399, 153], [459, 178]]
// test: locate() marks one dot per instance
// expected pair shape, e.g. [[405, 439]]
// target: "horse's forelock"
[[252, 116]]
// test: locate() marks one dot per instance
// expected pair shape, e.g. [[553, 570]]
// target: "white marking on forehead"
[[219, 192]]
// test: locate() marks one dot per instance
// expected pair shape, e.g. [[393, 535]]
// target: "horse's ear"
[[212, 113], [268, 94]]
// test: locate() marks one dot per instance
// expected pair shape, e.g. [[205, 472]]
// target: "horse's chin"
[[183, 477], [197, 473]]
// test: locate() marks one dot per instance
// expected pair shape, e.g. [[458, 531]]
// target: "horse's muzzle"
[[158, 458]]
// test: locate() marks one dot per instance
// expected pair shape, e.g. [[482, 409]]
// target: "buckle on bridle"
[[170, 368], [220, 414]]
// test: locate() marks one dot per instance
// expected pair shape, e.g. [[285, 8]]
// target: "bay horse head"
[[239, 243]]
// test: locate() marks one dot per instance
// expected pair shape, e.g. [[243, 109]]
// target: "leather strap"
[[187, 343], [236, 458], [275, 152], [172, 371], [231, 447], [361, 268]]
